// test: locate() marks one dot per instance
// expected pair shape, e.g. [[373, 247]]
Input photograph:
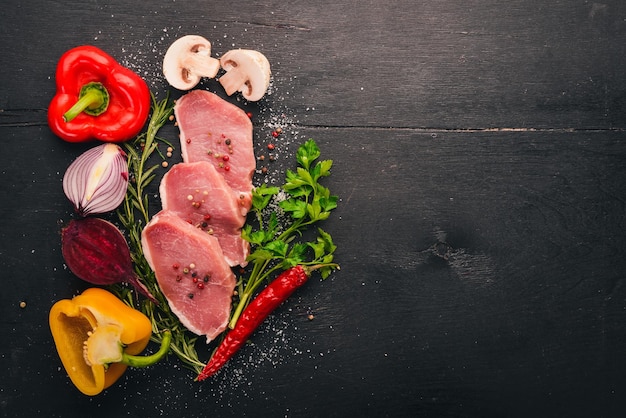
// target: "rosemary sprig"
[[134, 215]]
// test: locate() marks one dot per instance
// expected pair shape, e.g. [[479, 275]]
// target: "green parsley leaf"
[[296, 207]]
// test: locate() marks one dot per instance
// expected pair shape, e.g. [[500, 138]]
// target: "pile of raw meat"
[[193, 242]]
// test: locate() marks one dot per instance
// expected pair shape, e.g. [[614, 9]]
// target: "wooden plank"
[[479, 158], [448, 65]]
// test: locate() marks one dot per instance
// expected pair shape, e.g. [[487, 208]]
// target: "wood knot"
[[442, 250]]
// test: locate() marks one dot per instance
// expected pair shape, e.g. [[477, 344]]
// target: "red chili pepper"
[[255, 313], [97, 98]]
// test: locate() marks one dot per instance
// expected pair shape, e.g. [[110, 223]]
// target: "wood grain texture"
[[478, 152]]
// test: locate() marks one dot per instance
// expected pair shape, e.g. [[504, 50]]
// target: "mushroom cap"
[[187, 60], [247, 71]]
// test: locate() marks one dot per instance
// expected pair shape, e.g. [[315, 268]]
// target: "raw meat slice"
[[199, 195], [214, 130], [191, 272]]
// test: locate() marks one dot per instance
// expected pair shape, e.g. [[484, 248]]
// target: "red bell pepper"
[[97, 98]]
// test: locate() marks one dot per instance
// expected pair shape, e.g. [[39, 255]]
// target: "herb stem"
[[256, 278]]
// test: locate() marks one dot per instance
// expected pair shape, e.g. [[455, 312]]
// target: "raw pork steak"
[[199, 194], [191, 272], [214, 130]]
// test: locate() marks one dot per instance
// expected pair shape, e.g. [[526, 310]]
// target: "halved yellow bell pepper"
[[97, 336]]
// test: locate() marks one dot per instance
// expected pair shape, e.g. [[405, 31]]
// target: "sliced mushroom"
[[187, 60], [247, 71]]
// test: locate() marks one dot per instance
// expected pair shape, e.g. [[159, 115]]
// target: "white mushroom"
[[187, 60], [247, 71]]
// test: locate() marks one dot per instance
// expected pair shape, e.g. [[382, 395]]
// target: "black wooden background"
[[479, 153]]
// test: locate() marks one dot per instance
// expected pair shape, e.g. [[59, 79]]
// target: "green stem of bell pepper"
[[93, 99], [145, 361]]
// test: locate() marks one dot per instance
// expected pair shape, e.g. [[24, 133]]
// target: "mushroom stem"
[[234, 81], [201, 64]]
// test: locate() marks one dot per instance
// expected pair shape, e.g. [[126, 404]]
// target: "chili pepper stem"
[[243, 302], [93, 100], [311, 269], [145, 361]]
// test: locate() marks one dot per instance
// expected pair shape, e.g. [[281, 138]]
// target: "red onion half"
[[96, 182]]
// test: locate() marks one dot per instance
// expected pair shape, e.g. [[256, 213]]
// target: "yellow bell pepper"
[[97, 337]]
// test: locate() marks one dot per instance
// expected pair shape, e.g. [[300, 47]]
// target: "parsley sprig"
[[279, 244]]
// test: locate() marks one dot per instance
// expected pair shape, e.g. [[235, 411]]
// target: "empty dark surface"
[[479, 154]]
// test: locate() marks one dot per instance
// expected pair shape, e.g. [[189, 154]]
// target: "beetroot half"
[[96, 251]]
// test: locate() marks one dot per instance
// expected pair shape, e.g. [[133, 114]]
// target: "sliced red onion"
[[96, 182]]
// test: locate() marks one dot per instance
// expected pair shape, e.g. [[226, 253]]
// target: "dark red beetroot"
[[96, 251]]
